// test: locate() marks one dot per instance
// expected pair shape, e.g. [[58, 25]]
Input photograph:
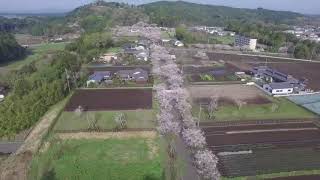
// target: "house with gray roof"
[[280, 88], [99, 76], [280, 83], [138, 75]]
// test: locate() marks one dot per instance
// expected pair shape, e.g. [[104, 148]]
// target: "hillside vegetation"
[[167, 13], [9, 48]]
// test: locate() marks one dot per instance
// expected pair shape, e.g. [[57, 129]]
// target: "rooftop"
[[281, 85]]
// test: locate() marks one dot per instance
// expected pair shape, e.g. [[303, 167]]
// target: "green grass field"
[[112, 159], [105, 119], [39, 55], [286, 110]]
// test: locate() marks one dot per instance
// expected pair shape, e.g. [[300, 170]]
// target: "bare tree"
[[92, 121], [121, 121], [79, 111], [274, 107], [240, 103], [212, 107]]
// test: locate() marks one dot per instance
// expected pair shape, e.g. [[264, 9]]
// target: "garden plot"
[[110, 99], [241, 102], [226, 72], [99, 109]]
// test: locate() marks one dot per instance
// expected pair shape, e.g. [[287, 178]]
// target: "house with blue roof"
[[99, 76]]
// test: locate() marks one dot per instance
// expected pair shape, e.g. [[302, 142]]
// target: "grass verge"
[[285, 110]]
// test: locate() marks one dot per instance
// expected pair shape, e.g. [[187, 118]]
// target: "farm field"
[[110, 99], [255, 148], [117, 159], [257, 105], [102, 67], [300, 70], [222, 73], [136, 119]]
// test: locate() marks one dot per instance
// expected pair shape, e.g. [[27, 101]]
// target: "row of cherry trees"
[[175, 114]]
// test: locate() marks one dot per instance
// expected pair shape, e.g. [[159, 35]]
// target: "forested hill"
[[172, 13], [99, 15], [9, 48]]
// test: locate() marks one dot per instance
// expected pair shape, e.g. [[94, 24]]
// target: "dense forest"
[[9, 48]]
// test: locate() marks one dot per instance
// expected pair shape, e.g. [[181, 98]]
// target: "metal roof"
[[281, 85], [99, 75]]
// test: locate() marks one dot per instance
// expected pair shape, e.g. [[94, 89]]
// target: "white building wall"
[[282, 91], [253, 44]]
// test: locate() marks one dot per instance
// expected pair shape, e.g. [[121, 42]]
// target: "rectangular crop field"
[[112, 159], [250, 150], [110, 99], [256, 105], [136, 119]]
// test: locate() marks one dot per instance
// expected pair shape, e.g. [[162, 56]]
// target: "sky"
[[36, 6]]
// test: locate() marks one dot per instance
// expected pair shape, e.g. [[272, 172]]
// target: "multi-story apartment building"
[[245, 42]]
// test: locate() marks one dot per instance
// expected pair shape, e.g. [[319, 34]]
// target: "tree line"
[[35, 89], [9, 48]]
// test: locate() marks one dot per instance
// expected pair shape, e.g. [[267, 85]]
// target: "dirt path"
[[17, 165], [108, 135]]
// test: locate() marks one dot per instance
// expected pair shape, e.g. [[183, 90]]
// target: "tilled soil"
[[110, 99]]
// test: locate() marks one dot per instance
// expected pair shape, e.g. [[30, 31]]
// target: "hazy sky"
[[303, 6]]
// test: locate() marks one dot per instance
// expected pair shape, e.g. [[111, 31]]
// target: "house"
[[138, 75], [280, 83], [143, 42], [108, 57], [269, 74], [281, 88], [99, 76], [245, 42], [142, 56]]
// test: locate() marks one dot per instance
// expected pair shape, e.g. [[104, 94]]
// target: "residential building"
[[140, 51], [108, 57], [99, 76], [281, 88], [269, 74], [279, 83], [142, 56], [138, 75], [245, 42]]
